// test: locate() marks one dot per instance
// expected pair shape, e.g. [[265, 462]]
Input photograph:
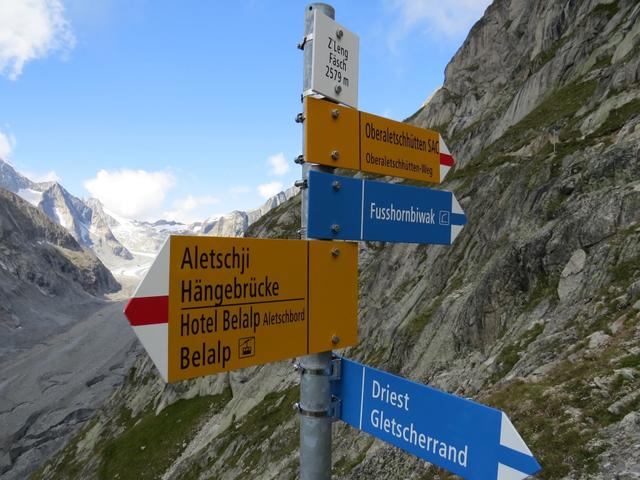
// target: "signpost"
[[338, 136], [212, 304], [469, 439], [347, 208], [334, 65]]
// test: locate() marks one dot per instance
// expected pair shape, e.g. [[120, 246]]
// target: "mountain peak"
[[11, 179]]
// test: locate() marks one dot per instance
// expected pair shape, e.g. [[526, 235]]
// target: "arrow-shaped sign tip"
[[459, 218], [149, 318], [130, 311], [147, 310], [516, 461], [508, 473], [446, 159]]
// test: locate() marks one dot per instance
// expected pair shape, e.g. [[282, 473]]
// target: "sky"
[[185, 110]]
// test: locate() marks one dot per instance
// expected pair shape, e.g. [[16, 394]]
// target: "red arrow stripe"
[[446, 159], [147, 310]]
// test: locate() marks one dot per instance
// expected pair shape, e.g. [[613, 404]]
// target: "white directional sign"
[[334, 69]]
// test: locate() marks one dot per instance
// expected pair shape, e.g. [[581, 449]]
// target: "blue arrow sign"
[[469, 439], [347, 208]]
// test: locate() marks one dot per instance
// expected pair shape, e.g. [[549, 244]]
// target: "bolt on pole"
[[315, 387]]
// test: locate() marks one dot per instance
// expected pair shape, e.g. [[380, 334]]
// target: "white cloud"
[[31, 29], [451, 18], [50, 176], [278, 164], [7, 142], [239, 189], [190, 202], [188, 209], [131, 193], [268, 190]]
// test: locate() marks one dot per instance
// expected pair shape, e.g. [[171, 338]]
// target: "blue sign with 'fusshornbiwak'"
[[469, 439], [345, 208]]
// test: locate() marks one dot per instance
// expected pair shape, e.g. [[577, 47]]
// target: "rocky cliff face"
[[237, 222], [12, 180], [535, 309], [85, 220], [103, 241], [50, 287], [40, 264], [113, 238]]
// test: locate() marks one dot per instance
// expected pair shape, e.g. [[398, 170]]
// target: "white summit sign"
[[334, 65]]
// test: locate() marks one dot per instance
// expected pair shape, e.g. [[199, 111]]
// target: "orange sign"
[[239, 302], [343, 137]]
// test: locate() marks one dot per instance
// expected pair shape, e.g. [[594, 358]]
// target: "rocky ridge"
[[144, 239], [125, 245], [43, 255], [49, 286], [48, 334], [236, 223], [85, 220], [535, 309]]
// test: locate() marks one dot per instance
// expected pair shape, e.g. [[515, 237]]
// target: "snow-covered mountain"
[[235, 224], [13, 181], [144, 239], [85, 220], [127, 247]]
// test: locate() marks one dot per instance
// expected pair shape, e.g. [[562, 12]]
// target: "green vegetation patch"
[[543, 57], [375, 357], [558, 108], [436, 473], [150, 443], [347, 463], [253, 437], [406, 286], [617, 118], [626, 271], [560, 105], [630, 361], [510, 355], [416, 324], [607, 10], [554, 206], [64, 463], [560, 415], [602, 61], [473, 128], [545, 288]]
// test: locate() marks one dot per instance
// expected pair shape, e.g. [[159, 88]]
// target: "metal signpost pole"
[[315, 388]]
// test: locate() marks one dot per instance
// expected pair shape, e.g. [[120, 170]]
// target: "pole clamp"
[[335, 408], [336, 370], [333, 371], [332, 413], [302, 184], [304, 41]]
